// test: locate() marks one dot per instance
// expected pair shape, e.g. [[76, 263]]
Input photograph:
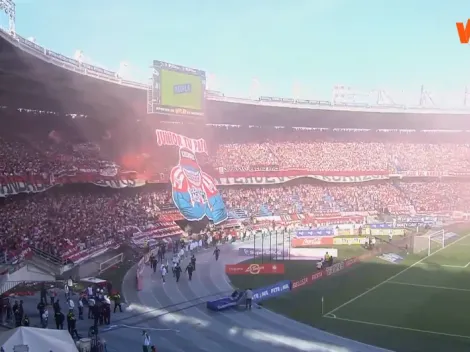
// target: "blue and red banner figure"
[[194, 191]]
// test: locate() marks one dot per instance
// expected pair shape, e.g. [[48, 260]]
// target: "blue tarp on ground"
[[259, 295]]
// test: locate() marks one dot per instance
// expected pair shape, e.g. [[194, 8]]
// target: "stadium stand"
[[80, 174]]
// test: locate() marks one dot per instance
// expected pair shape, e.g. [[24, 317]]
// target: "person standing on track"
[[216, 253], [181, 253], [177, 272], [193, 262], [190, 270], [249, 298], [163, 271], [147, 342], [153, 262], [175, 262]]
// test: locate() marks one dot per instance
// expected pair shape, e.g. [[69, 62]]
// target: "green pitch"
[[419, 304]]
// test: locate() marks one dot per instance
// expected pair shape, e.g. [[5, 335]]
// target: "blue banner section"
[[252, 252], [259, 295], [384, 225], [221, 304], [401, 224], [314, 233], [413, 224], [264, 293], [391, 258]]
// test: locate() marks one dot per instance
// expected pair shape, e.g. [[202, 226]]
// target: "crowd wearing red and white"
[[71, 224]]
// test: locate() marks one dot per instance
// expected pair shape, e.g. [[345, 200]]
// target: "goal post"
[[429, 243], [111, 262]]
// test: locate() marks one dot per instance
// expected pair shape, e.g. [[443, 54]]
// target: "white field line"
[[428, 286], [393, 276], [457, 266], [399, 327]]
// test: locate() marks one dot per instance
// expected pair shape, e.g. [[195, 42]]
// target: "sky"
[[297, 48]]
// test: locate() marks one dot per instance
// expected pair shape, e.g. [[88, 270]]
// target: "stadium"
[[101, 175]]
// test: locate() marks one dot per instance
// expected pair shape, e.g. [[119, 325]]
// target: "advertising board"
[[385, 232], [312, 253], [309, 242], [319, 232], [350, 240], [254, 269], [258, 252], [264, 293]]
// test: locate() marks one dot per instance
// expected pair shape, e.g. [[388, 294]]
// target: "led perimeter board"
[[177, 90]]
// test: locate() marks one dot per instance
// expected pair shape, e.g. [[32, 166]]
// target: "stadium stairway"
[[397, 186], [237, 214], [273, 153], [46, 262], [297, 203], [404, 194]]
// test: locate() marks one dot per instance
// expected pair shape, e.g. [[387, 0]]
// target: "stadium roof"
[[32, 76]]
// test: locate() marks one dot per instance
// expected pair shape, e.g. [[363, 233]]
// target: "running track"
[[191, 327]]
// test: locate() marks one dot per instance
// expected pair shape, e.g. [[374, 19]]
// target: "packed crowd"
[[19, 157], [346, 156], [383, 197], [69, 225], [84, 144]]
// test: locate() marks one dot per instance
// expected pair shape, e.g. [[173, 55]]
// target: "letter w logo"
[[464, 32]]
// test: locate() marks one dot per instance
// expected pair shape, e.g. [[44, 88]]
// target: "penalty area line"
[[394, 276], [397, 327], [429, 286]]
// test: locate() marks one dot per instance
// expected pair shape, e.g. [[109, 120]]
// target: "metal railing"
[[53, 259]]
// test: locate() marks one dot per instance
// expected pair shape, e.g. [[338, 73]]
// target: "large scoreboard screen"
[[177, 90]]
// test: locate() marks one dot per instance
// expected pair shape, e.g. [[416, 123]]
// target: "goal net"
[[431, 242], [111, 262]]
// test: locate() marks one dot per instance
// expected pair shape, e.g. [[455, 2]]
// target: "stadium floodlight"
[[123, 70], [9, 7], [430, 242], [78, 55]]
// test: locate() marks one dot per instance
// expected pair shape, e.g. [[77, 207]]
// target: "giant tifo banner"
[[194, 191]]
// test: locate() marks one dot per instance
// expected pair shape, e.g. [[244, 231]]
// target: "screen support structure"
[[150, 95], [9, 7]]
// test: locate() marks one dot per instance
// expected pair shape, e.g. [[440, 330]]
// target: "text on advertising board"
[[251, 252], [327, 241], [275, 290], [254, 269], [314, 233], [311, 242]]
